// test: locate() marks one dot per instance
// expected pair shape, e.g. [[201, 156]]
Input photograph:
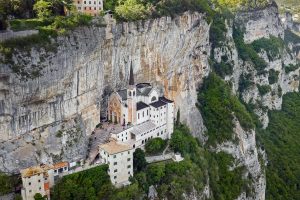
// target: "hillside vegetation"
[[281, 141]]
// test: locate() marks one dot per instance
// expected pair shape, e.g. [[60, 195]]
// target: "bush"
[[263, 89], [290, 68], [273, 76], [218, 108], [273, 46], [282, 145], [139, 161], [246, 52], [156, 145], [87, 184], [28, 24], [245, 82], [223, 68]]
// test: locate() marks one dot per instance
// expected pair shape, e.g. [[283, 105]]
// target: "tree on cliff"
[[131, 10], [43, 9]]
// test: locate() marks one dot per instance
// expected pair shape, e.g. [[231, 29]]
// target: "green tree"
[[131, 10], [155, 145], [43, 9], [155, 173], [6, 184], [38, 196], [139, 161]]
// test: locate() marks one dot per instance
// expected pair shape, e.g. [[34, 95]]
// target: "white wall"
[[33, 185], [120, 166], [142, 115]]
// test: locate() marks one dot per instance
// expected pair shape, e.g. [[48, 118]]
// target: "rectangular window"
[[147, 113], [115, 177], [143, 113], [128, 159], [128, 152], [115, 156], [129, 173], [115, 170], [29, 183], [138, 115], [129, 166]]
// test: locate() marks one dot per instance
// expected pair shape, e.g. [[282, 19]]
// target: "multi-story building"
[[141, 114], [91, 7], [37, 179], [119, 157]]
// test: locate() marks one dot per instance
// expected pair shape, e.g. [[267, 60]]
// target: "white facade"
[[154, 115], [36, 179], [91, 7], [119, 158]]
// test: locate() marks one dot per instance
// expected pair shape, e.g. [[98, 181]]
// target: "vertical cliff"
[[86, 67]]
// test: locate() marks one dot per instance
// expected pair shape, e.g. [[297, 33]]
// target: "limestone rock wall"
[[76, 79]]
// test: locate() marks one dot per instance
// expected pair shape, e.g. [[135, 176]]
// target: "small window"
[[143, 113], [128, 152], [157, 134], [115, 170], [115, 156], [129, 173], [39, 180], [30, 191], [29, 183], [129, 166], [138, 115], [115, 163], [115, 177], [40, 188], [128, 159]]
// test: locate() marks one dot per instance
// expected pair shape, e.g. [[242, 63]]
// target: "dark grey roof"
[[144, 91], [141, 105], [123, 94], [131, 78], [164, 99], [158, 104], [143, 85]]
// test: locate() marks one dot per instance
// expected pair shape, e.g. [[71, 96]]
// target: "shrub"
[[246, 51], [281, 142], [245, 82], [223, 68], [273, 46], [263, 89], [218, 108], [28, 24], [273, 76], [156, 145], [139, 161], [290, 68]]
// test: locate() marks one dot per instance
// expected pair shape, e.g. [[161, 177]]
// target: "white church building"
[[141, 114]]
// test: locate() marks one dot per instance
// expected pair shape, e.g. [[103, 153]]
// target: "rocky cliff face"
[[75, 82], [51, 117]]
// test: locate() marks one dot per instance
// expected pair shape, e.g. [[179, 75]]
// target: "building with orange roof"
[[60, 168], [37, 179], [119, 157]]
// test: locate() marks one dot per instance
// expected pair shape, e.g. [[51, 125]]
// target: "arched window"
[[153, 98]]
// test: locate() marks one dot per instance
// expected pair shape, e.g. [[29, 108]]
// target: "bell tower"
[[131, 96]]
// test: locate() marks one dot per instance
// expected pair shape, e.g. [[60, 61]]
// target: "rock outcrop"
[[50, 117], [86, 67]]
